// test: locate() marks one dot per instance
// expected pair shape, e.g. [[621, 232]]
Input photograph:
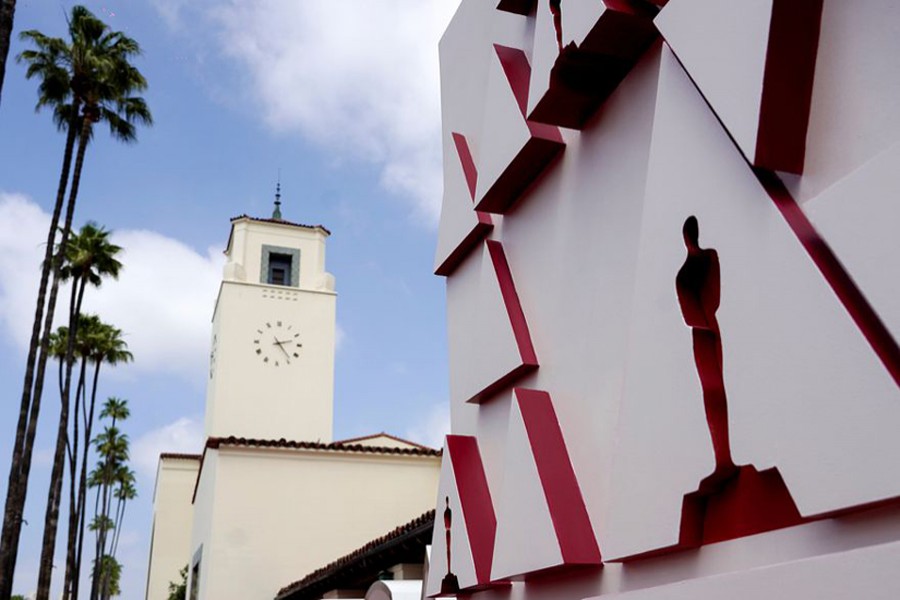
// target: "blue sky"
[[341, 96]]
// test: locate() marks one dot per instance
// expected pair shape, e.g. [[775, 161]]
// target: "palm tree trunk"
[[7, 12], [17, 487], [71, 532], [51, 516], [82, 485], [54, 497], [99, 573], [117, 529], [95, 572]]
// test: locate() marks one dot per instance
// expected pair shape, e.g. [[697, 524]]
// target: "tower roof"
[[246, 217], [280, 222]]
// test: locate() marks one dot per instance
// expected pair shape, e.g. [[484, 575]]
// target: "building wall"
[[247, 397], [579, 390], [203, 534], [258, 388], [172, 523], [280, 514]]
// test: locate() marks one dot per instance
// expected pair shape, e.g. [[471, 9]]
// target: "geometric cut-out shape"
[[516, 316], [519, 7], [754, 62], [582, 50], [799, 376], [514, 151], [489, 341], [462, 228], [842, 282], [465, 523], [732, 501], [541, 504], [858, 219]]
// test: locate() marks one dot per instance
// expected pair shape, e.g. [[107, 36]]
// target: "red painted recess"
[[788, 84], [584, 75], [543, 145], [749, 502], [568, 512], [862, 313], [519, 7], [477, 506], [517, 321], [527, 7], [468, 164], [483, 224]]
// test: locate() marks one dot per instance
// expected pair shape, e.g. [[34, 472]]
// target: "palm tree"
[[125, 491], [7, 12], [96, 343], [107, 347], [86, 80], [113, 449], [59, 344], [89, 258]]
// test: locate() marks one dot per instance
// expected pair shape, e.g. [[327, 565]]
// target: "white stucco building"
[[271, 497]]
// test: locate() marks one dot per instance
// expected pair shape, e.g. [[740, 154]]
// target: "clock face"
[[276, 343]]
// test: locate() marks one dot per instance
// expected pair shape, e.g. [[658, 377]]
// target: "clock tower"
[[271, 370]]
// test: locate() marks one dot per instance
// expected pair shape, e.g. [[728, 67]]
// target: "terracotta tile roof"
[[178, 456], [282, 222], [383, 434], [215, 442], [361, 567]]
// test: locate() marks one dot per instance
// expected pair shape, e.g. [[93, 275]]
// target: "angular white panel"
[[866, 574], [513, 151], [853, 116], [723, 46], [465, 54], [799, 375], [461, 227], [466, 51], [578, 19], [483, 349], [524, 517], [859, 217]]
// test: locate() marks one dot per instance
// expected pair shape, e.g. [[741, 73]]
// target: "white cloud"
[[23, 233], [162, 300], [431, 427], [359, 78], [184, 436]]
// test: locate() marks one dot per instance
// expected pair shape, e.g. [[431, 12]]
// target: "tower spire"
[[276, 214]]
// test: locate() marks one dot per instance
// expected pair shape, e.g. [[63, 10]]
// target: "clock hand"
[[283, 350]]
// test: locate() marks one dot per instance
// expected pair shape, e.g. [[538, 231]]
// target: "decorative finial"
[[276, 214]]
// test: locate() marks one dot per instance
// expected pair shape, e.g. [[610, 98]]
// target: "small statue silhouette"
[[698, 288], [449, 584], [556, 10]]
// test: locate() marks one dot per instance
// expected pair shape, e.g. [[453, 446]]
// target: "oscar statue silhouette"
[[449, 584], [732, 501]]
